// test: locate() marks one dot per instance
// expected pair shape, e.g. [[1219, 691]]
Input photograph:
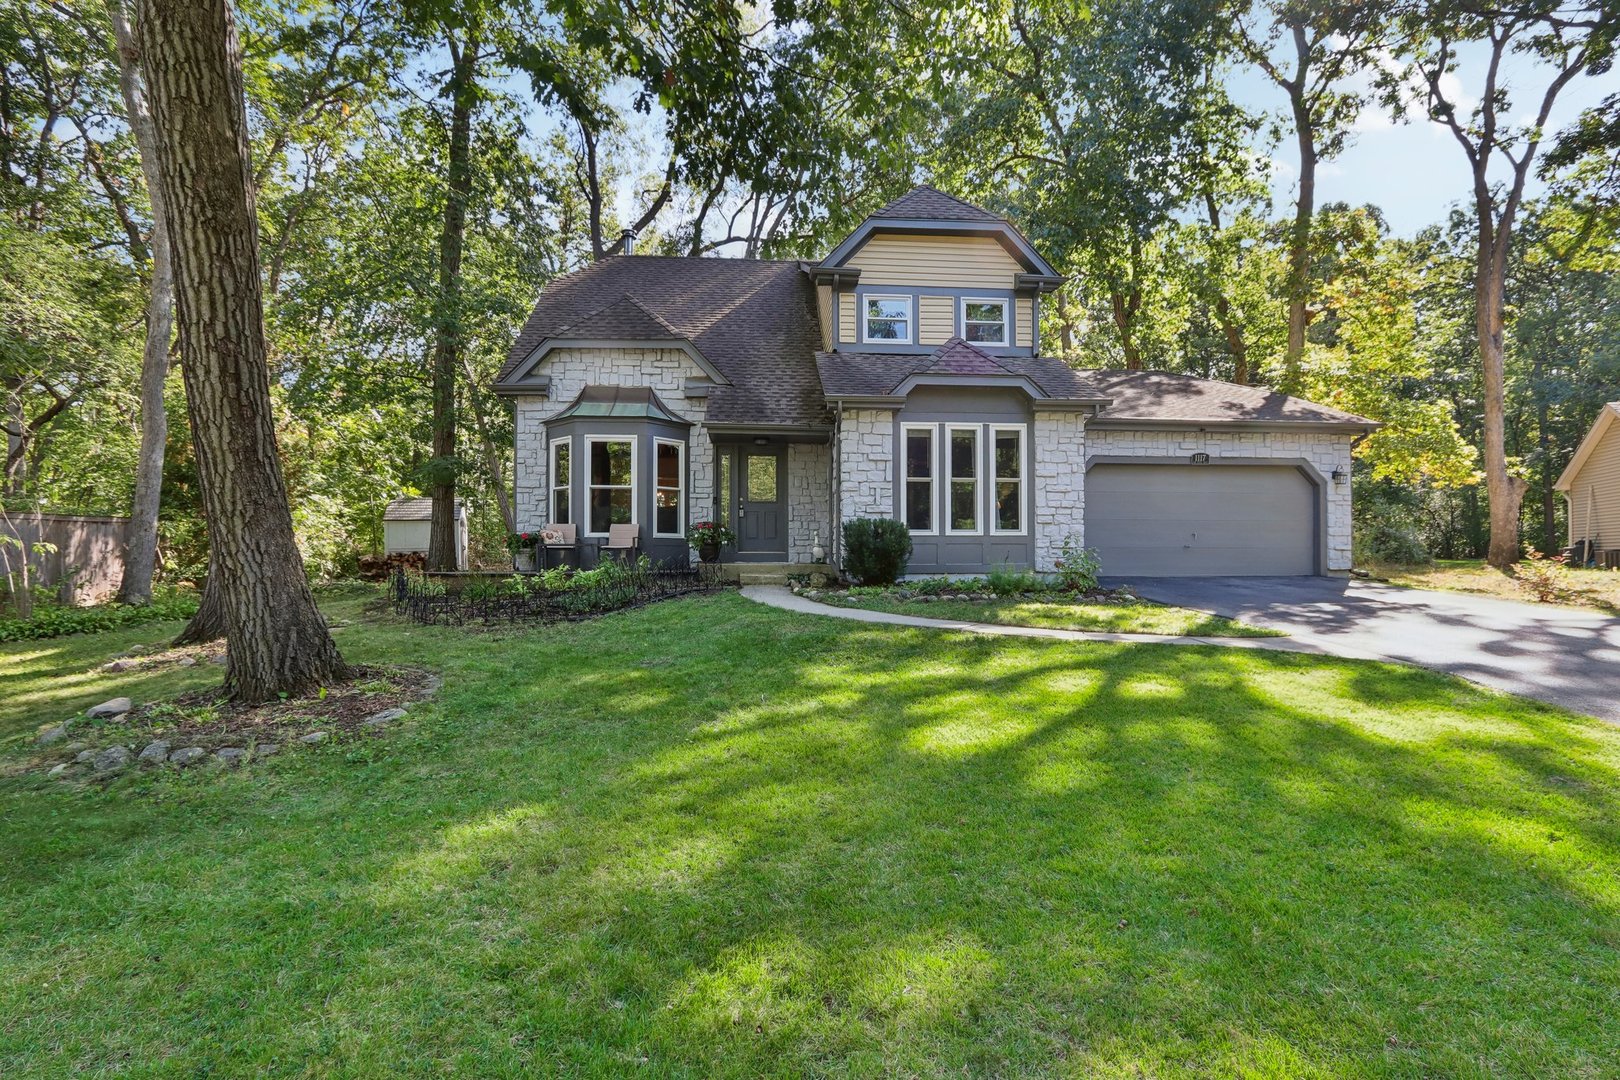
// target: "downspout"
[[834, 461]]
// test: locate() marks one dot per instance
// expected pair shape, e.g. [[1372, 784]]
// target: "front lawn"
[[1588, 588], [1135, 617], [709, 838]]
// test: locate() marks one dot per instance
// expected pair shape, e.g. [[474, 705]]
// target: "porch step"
[[765, 574]]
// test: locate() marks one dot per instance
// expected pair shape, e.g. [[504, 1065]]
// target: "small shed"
[[406, 523], [1591, 485]]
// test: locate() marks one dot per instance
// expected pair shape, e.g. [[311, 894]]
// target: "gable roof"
[[752, 320], [1606, 416], [877, 375], [929, 203], [1161, 396], [414, 510]]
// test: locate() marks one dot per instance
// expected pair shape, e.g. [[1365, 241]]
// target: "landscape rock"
[[120, 665], [188, 661], [84, 756], [112, 759], [58, 770], [218, 658], [53, 734], [313, 737], [268, 749], [231, 755], [432, 686], [382, 719], [118, 706], [188, 755], [156, 753], [136, 650]]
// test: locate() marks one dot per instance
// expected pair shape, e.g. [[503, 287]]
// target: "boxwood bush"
[[876, 550]]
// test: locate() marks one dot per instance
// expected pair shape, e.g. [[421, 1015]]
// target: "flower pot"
[[709, 552], [523, 560]]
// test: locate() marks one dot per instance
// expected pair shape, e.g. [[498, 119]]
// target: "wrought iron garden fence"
[[550, 596]]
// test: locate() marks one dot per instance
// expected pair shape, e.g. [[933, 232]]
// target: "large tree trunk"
[[209, 624], [447, 344], [1299, 252], [141, 535], [1506, 490], [278, 641]]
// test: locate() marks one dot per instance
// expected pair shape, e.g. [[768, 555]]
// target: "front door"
[[761, 501]]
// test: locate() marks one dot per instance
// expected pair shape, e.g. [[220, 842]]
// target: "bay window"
[[918, 496], [612, 476], [669, 488], [561, 452], [962, 498], [1007, 474]]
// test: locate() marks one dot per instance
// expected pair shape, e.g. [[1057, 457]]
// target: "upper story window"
[[888, 319], [984, 322]]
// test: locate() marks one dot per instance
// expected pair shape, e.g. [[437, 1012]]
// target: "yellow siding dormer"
[[952, 262]]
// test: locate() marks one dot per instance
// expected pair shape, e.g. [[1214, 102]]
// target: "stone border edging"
[[777, 596]]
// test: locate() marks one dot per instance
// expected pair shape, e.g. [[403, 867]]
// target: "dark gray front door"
[[761, 501]]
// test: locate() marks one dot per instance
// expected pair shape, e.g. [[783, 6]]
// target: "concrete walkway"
[[778, 596], [1565, 656]]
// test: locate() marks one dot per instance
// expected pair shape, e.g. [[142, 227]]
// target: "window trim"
[[1023, 479], [680, 489], [864, 299], [635, 449], [933, 481], [1006, 319], [552, 487], [978, 479]]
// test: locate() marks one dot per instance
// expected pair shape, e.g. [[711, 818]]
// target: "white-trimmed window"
[[669, 490], [888, 319], [611, 487], [1007, 468], [984, 321], [562, 453], [917, 507], [962, 472]]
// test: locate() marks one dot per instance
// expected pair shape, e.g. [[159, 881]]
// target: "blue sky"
[[1415, 171]]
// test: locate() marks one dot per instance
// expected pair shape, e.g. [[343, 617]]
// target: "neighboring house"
[[902, 376], [407, 523], [1591, 486]]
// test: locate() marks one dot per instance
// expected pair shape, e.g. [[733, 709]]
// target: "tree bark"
[[1506, 491], [191, 59], [447, 344], [141, 535], [1299, 236], [209, 623]]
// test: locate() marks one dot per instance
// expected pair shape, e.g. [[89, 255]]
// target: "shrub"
[[876, 550], [53, 620], [1005, 581], [1388, 542], [1546, 579], [1077, 566]]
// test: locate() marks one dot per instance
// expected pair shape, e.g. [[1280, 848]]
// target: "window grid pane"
[[919, 487], [985, 322], [1009, 489], [611, 499], [888, 319], [964, 472], [667, 490], [559, 483]]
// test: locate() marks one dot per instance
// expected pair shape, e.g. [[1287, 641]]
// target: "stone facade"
[[571, 370], [1059, 445], [1326, 452], [865, 464], [809, 499]]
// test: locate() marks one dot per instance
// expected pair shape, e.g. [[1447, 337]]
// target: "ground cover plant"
[[708, 838], [1020, 598], [49, 620]]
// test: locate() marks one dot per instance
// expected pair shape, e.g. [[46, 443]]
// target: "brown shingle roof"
[[753, 319], [927, 203], [853, 374], [1160, 395]]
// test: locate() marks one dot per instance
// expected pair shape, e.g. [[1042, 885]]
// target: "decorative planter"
[[709, 552], [523, 559]]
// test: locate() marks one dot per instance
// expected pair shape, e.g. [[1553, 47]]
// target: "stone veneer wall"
[[865, 464], [1059, 445], [809, 499], [1325, 451], [665, 370]]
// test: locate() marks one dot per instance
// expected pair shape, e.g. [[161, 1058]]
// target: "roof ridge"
[[958, 340], [622, 298]]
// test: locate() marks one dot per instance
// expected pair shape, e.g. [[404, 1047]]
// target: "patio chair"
[[569, 542], [624, 540]]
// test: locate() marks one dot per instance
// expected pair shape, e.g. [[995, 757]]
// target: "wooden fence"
[[86, 566]]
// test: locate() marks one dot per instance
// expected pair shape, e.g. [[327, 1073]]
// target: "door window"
[[761, 478]]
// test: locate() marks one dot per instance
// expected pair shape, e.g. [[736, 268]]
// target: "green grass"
[[707, 838], [1142, 617]]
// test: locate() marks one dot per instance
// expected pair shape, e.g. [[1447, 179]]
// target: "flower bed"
[[552, 595]]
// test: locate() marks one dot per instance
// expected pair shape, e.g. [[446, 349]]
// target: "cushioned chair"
[[569, 542], [623, 540]]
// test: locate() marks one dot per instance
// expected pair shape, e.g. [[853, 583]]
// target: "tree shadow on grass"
[[808, 847]]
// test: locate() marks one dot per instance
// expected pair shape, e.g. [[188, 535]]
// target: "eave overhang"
[[1328, 427], [1004, 234]]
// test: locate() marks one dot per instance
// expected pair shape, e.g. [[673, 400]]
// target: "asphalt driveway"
[[1565, 656]]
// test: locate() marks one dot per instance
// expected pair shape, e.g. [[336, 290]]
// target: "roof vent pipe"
[[627, 242]]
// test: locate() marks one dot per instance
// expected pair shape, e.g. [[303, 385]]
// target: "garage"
[[1216, 520]]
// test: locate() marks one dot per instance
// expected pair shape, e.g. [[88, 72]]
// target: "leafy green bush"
[[876, 550], [1005, 581], [1545, 578], [1077, 566], [54, 620], [1390, 542]]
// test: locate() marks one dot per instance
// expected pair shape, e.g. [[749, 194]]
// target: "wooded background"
[[422, 169]]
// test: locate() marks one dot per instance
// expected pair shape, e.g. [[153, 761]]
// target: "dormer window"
[[984, 322], [888, 319]]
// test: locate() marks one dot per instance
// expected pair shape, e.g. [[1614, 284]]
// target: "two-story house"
[[902, 376]]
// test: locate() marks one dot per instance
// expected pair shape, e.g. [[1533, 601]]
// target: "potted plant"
[[709, 537], [521, 545]]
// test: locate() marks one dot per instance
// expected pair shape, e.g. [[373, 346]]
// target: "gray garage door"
[[1201, 520]]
